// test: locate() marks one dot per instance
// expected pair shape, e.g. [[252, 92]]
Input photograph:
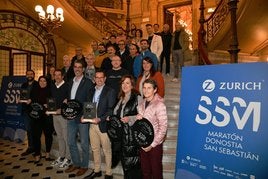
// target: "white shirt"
[[97, 94], [76, 83], [60, 84]]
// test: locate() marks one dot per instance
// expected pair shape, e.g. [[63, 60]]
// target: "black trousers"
[[43, 124], [166, 55], [133, 173]]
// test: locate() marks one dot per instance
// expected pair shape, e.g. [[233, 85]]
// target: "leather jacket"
[[130, 150], [127, 148]]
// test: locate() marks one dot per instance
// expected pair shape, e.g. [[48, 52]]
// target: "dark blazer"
[[82, 92], [25, 85], [106, 104]]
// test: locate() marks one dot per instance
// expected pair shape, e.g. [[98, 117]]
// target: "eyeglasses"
[[99, 77], [78, 67]]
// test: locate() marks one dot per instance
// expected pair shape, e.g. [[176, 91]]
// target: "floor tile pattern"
[[14, 166]]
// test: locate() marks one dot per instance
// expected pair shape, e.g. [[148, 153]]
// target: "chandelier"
[[50, 19]]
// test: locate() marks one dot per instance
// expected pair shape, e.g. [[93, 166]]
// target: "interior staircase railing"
[[209, 28], [90, 13]]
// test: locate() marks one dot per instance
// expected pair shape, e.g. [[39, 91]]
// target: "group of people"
[[128, 105], [123, 78], [163, 44]]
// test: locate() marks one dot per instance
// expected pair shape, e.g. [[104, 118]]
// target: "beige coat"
[[156, 45], [183, 39]]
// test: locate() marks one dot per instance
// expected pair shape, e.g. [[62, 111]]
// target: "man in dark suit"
[[78, 90], [29, 85], [104, 97]]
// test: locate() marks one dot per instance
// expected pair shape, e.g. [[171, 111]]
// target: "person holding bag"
[[152, 108], [40, 121], [126, 149]]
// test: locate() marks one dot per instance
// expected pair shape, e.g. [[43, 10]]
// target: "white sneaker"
[[57, 162], [66, 162], [175, 80]]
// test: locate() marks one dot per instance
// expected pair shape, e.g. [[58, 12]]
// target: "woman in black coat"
[[126, 110], [41, 122]]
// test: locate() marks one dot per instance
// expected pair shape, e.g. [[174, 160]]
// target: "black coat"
[[129, 149]]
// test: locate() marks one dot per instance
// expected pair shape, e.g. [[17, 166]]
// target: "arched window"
[[23, 45]]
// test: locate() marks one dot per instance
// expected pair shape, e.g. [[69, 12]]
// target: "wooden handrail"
[[216, 19], [213, 24], [90, 13], [109, 20], [202, 51], [214, 12], [203, 55]]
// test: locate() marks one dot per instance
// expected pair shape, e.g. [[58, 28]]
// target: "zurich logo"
[[10, 84], [208, 85]]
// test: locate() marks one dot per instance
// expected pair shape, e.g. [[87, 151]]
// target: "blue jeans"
[[73, 127]]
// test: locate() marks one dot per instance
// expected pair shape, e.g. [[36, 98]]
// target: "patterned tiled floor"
[[14, 166]]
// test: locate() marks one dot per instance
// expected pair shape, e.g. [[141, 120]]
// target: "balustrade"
[[87, 9]]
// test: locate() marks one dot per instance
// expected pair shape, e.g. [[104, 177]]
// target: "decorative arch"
[[22, 32], [21, 39]]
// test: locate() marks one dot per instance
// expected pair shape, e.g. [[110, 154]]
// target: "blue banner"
[[223, 122], [11, 120]]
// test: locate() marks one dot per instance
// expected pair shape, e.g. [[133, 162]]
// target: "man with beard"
[[145, 52], [29, 85], [102, 55], [120, 35], [94, 46], [179, 46], [78, 56], [78, 89]]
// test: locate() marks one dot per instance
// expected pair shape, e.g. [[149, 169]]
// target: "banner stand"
[[11, 119], [223, 119]]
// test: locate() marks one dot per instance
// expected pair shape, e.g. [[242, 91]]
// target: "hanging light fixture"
[[50, 19]]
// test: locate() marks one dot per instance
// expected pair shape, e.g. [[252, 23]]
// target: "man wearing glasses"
[[78, 90], [104, 97]]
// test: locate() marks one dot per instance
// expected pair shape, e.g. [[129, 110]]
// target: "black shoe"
[[27, 152], [108, 177], [37, 159], [49, 159], [93, 175]]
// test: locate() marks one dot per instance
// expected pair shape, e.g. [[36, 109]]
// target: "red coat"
[[159, 80]]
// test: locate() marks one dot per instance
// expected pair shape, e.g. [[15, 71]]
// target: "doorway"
[[179, 13]]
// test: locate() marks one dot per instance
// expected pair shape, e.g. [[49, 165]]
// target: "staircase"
[[234, 23], [172, 98]]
